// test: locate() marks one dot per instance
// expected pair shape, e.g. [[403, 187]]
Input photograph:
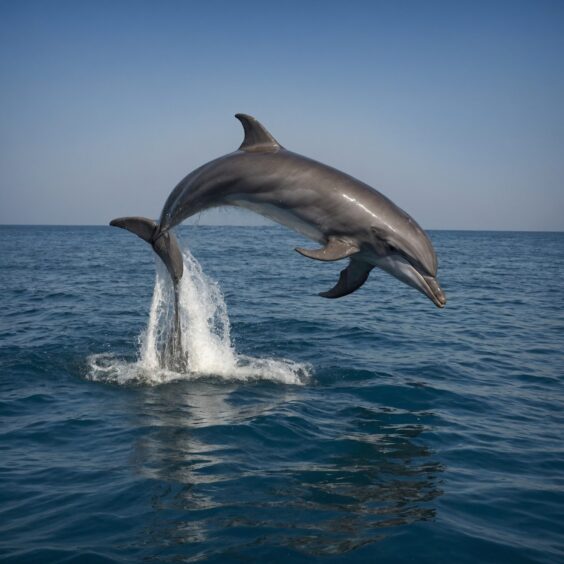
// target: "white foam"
[[205, 337]]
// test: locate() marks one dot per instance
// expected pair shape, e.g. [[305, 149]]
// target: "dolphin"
[[345, 216]]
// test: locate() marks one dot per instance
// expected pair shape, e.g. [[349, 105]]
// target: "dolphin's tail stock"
[[166, 246]]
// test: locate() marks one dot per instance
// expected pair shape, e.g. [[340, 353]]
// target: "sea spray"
[[205, 342]]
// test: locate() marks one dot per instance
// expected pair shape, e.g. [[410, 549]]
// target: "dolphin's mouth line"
[[431, 286], [434, 290], [398, 266]]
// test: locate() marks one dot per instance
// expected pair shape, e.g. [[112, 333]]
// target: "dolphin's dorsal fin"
[[257, 138]]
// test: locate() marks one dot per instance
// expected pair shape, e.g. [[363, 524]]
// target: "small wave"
[[207, 349]]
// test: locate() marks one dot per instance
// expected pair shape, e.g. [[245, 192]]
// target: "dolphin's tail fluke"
[[164, 244]]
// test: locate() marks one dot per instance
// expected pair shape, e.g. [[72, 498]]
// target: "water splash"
[[205, 343]]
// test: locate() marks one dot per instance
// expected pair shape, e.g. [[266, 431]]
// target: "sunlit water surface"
[[371, 428]]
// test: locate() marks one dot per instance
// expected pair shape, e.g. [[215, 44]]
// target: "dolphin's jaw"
[[439, 298], [400, 268]]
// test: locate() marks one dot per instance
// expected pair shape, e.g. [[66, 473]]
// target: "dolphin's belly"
[[285, 216]]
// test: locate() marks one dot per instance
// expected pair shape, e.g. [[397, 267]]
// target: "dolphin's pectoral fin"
[[336, 249], [257, 138], [350, 279]]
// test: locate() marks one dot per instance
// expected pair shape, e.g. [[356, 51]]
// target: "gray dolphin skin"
[[348, 218]]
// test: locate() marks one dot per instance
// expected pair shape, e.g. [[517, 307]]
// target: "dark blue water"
[[415, 435]]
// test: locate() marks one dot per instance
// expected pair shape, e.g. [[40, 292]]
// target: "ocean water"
[[375, 428]]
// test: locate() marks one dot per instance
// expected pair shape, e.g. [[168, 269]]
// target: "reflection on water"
[[234, 471]]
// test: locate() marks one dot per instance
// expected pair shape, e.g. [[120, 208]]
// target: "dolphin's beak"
[[427, 285], [403, 270], [433, 291]]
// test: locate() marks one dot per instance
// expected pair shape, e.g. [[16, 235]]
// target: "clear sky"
[[455, 110]]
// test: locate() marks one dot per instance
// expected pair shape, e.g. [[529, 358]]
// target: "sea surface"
[[374, 428]]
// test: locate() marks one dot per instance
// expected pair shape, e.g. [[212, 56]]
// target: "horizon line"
[[470, 230]]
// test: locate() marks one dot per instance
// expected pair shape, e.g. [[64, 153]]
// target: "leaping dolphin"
[[347, 217]]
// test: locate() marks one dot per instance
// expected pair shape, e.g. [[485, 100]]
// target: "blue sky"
[[455, 110]]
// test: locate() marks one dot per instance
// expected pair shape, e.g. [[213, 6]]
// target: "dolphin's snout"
[[440, 300], [436, 292]]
